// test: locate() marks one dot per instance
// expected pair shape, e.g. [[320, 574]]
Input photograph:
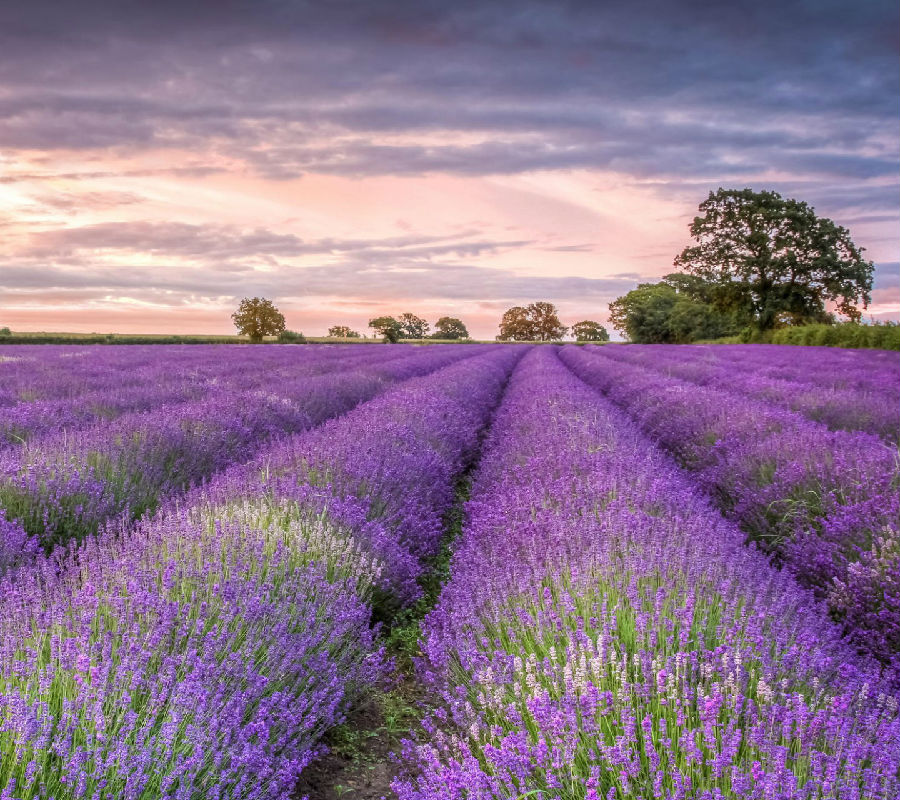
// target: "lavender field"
[[624, 572]]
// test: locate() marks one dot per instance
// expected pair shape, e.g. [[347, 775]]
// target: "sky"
[[352, 158]]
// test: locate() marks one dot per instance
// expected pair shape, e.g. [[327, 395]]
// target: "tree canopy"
[[257, 317], [343, 332], [412, 327], [774, 260], [659, 313], [450, 328], [589, 331], [387, 327], [537, 322]]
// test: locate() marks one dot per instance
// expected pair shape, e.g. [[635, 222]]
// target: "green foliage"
[[387, 327], [880, 335], [774, 259], [412, 327], [515, 325], [291, 337], [656, 313], [589, 331], [450, 328], [257, 317], [343, 332], [5, 332], [537, 322]]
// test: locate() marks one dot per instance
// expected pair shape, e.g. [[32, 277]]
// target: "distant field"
[[60, 337], [54, 337]]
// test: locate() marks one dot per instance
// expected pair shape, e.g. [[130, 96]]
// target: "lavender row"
[[825, 502], [204, 651], [871, 370], [396, 458], [196, 657], [50, 372], [68, 400], [64, 485], [849, 396], [605, 634]]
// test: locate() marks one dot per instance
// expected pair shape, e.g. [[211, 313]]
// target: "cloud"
[[352, 281], [71, 202], [286, 88], [229, 262], [887, 275], [87, 175], [217, 243]]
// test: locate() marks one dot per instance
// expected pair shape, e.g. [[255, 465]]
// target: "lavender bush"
[[76, 387], [65, 484], [852, 390], [397, 457], [196, 657], [606, 634], [202, 652], [825, 502]]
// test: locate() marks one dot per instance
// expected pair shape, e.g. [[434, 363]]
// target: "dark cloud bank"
[[651, 88]]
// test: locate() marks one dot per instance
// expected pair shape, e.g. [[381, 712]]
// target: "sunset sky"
[[161, 160]]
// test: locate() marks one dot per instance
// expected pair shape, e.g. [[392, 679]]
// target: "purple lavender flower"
[[204, 650], [824, 502], [606, 633]]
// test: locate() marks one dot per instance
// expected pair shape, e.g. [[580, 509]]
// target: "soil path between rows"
[[362, 758]]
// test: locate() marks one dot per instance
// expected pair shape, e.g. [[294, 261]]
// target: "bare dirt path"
[[361, 762]]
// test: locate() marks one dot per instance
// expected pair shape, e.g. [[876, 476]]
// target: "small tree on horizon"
[[257, 318], [546, 322], [450, 328], [589, 331], [343, 332], [412, 327], [516, 326], [537, 322], [388, 328]]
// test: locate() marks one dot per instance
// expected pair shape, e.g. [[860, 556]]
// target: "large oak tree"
[[450, 328], [412, 327], [537, 322], [776, 257], [257, 317]]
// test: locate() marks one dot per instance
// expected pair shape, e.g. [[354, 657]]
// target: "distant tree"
[[387, 327], [785, 261], [657, 313], [343, 332], [590, 331], [546, 322], [516, 326], [291, 337], [257, 317], [412, 327], [537, 322], [5, 332], [449, 328]]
